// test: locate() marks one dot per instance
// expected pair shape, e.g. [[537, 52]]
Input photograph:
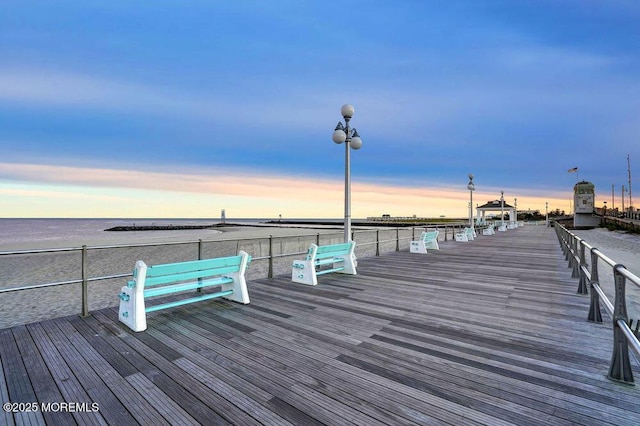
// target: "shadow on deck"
[[486, 332]]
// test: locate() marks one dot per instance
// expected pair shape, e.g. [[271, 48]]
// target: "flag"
[[575, 169]]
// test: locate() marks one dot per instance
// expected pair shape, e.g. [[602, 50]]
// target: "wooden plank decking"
[[487, 332]]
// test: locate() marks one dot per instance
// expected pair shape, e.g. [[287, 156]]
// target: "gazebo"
[[495, 206]]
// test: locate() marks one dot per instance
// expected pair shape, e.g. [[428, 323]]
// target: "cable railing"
[[270, 249], [585, 269]]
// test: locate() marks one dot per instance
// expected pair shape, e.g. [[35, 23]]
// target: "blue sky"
[[173, 108]]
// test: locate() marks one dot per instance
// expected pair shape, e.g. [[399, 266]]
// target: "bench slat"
[[187, 301], [327, 271], [331, 254], [168, 289], [334, 248], [187, 276], [327, 261], [194, 265]]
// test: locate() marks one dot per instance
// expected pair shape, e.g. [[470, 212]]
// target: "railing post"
[[582, 284], [445, 232], [377, 242], [594, 307], [200, 252], [270, 273], [318, 239], [620, 368], [572, 259], [397, 239], [85, 284]]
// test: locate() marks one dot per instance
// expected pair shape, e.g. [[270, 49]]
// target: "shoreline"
[[160, 237]]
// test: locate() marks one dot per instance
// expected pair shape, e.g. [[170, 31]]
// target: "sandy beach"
[[21, 307]]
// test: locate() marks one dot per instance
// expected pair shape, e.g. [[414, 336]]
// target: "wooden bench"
[[427, 240], [341, 257], [466, 234], [172, 278]]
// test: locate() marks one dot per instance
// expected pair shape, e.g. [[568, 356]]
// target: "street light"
[[471, 188], [343, 133], [515, 212], [546, 213], [502, 210]]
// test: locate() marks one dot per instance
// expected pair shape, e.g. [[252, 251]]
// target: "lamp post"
[[515, 212], [343, 133], [546, 213], [471, 187], [502, 210]]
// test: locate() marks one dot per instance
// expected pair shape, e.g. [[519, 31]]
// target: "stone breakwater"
[[161, 227]]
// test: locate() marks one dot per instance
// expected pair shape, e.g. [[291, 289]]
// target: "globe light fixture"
[[351, 138]]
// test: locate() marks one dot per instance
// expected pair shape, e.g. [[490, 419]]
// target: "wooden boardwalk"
[[488, 332]]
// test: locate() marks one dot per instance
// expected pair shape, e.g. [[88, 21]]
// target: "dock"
[[489, 332]]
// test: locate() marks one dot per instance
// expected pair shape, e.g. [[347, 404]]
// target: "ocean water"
[[50, 233], [25, 234]]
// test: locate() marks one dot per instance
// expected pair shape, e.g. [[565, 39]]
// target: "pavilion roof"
[[494, 205]]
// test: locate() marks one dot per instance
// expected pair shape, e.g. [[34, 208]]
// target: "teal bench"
[[489, 230], [173, 278], [466, 234], [340, 257], [427, 240]]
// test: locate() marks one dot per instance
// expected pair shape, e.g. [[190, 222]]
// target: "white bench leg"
[[350, 263], [132, 308], [462, 237], [239, 285], [304, 272], [418, 247]]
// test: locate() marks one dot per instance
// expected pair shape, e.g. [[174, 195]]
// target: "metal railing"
[[85, 277], [585, 268]]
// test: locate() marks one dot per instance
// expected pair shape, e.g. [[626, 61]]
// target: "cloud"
[[27, 192], [250, 195]]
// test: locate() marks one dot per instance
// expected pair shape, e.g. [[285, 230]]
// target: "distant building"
[[496, 206], [584, 201]]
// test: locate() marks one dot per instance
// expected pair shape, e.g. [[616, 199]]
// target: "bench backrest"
[[332, 250], [430, 235], [173, 272]]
